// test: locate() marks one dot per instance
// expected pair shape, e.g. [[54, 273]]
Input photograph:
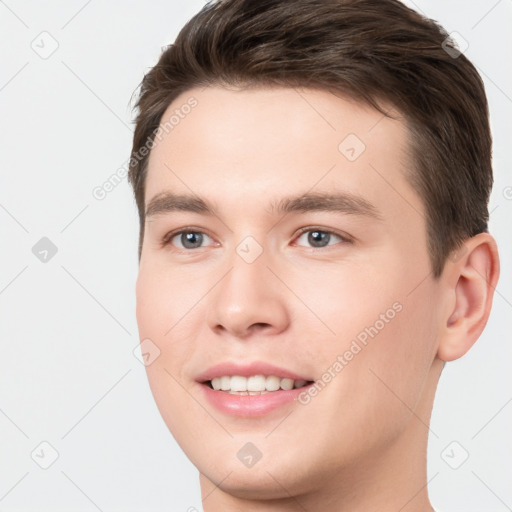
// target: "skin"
[[360, 444]]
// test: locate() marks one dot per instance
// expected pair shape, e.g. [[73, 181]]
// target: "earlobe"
[[472, 279]]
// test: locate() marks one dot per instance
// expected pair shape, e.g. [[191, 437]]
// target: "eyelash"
[[167, 239]]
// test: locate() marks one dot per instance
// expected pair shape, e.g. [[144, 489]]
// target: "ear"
[[469, 277]]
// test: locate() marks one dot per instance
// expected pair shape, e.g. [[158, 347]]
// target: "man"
[[312, 179]]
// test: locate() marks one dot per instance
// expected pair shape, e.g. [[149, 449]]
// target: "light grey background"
[[67, 326]]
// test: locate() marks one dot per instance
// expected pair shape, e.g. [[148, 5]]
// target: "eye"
[[188, 239], [319, 238], [185, 239]]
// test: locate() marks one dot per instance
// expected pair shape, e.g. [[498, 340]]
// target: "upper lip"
[[247, 370]]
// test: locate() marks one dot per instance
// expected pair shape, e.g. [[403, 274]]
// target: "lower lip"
[[250, 406]]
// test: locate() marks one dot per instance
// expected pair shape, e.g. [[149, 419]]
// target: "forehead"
[[230, 144]]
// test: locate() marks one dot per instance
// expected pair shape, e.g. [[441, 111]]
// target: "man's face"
[[344, 297]]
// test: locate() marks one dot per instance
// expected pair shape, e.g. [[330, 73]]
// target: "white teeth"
[[238, 383], [272, 383], [224, 383], [287, 384], [255, 384]]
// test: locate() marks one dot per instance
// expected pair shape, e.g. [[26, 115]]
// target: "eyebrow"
[[345, 203]]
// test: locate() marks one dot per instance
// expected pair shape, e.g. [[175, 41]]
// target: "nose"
[[248, 300]]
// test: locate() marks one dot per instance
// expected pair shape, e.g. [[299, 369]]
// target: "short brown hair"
[[371, 50]]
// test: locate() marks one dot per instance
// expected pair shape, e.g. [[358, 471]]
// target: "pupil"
[[316, 238]]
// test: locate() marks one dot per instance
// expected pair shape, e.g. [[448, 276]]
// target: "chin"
[[269, 478], [264, 484]]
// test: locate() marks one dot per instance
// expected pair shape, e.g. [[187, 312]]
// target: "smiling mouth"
[[254, 385]]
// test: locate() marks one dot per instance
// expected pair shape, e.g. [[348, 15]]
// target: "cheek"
[[397, 360], [158, 317], [165, 300], [148, 299], [386, 338], [351, 303], [159, 310]]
